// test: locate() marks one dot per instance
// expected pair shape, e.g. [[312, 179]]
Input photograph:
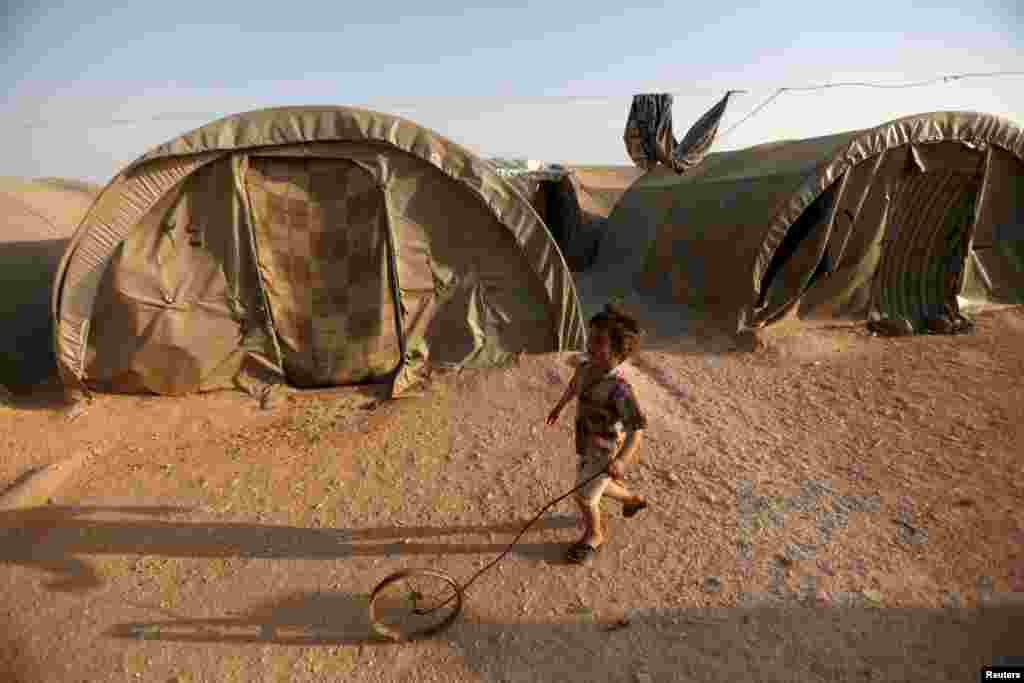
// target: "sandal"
[[630, 509], [581, 553]]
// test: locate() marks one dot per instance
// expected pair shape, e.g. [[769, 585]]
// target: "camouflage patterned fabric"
[[316, 245], [606, 408], [321, 232]]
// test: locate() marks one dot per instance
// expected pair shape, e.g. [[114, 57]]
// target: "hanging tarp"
[[649, 139]]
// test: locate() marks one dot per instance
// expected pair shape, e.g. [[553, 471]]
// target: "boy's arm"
[[567, 396], [630, 448], [627, 456]]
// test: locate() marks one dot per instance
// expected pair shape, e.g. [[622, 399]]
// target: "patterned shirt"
[[606, 408]]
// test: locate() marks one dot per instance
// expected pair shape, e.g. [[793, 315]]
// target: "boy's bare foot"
[[631, 508]]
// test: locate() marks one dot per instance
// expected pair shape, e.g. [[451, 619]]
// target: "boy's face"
[[599, 344]]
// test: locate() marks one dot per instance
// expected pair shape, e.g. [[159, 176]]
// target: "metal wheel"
[[414, 603]]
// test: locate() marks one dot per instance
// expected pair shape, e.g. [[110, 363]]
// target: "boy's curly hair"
[[623, 329]]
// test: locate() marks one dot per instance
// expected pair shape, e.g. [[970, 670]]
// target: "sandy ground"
[[831, 507]]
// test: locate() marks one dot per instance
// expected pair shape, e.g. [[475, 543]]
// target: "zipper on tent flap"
[[239, 166], [396, 296], [967, 247]]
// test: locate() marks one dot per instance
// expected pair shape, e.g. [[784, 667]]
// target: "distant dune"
[[72, 185], [37, 218], [607, 176], [42, 208]]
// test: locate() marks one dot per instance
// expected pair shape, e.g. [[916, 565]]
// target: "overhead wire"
[[207, 116], [864, 84]]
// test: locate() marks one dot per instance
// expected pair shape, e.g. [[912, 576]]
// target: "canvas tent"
[[575, 202], [325, 245], [891, 222], [598, 189], [37, 218]]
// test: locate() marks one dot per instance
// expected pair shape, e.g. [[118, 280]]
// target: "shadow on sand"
[[767, 644], [55, 539], [594, 644]]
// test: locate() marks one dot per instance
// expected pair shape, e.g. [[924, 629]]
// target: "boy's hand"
[[553, 416], [617, 469]]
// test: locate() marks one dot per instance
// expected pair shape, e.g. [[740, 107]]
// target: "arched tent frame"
[[716, 214], [293, 132]]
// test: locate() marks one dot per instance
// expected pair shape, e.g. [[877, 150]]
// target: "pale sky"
[[90, 86]]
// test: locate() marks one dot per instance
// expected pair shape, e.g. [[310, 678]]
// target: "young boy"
[[609, 423]]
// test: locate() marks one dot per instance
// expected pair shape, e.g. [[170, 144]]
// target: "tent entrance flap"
[[920, 270], [558, 208], [997, 257], [800, 258], [171, 315], [321, 234]]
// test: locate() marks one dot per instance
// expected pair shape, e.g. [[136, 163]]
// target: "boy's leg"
[[588, 498], [585, 524], [597, 532], [593, 534], [619, 492]]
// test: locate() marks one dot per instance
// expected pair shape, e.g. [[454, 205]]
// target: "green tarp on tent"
[[328, 245], [895, 221]]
